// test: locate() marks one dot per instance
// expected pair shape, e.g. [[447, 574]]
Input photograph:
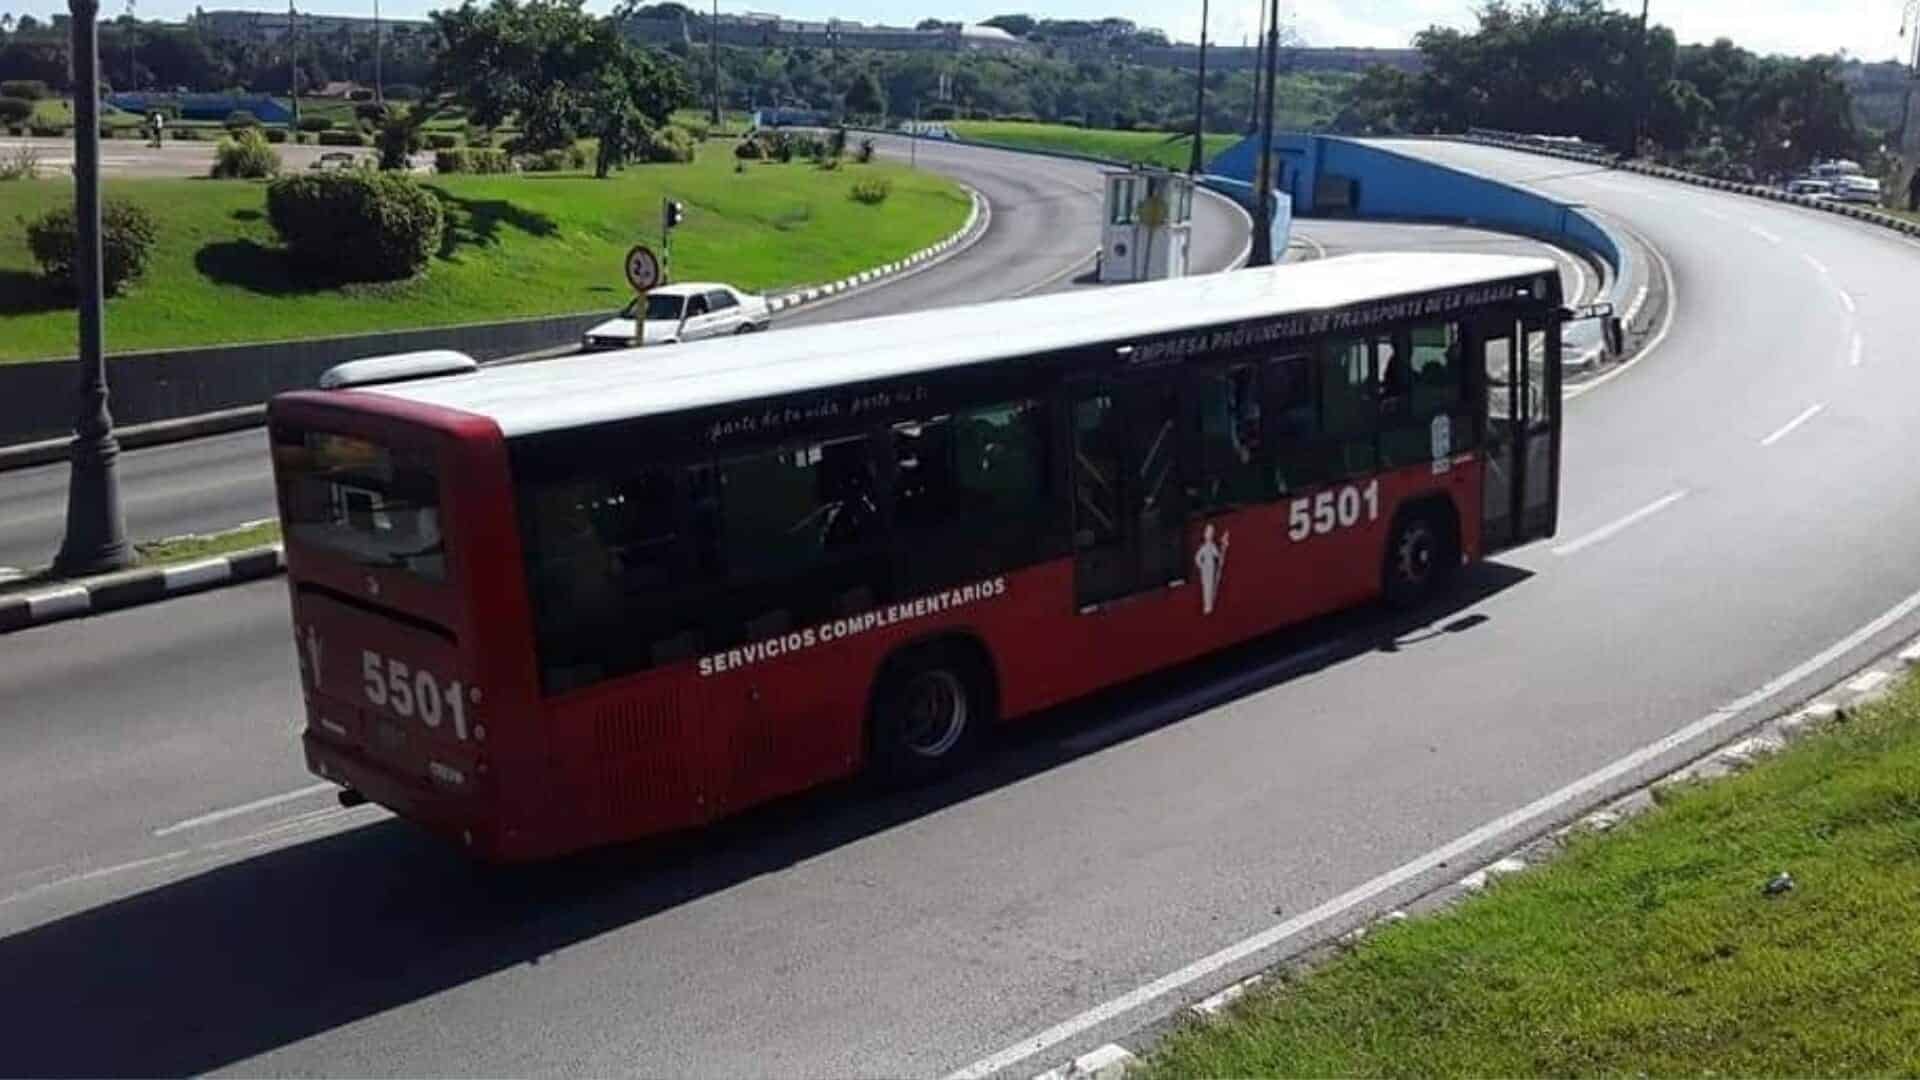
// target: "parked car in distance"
[[1817, 189], [1857, 189], [334, 159], [683, 312]]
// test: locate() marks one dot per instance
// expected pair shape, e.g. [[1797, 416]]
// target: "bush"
[[749, 149], [837, 143], [48, 131], [807, 146], [1018, 118], [126, 240], [20, 163], [184, 134], [864, 155], [315, 123], [15, 110], [241, 118], [359, 95], [941, 112], [276, 135], [701, 130], [25, 89], [471, 160], [245, 156], [370, 112], [443, 140], [559, 159], [672, 143], [403, 92], [399, 140], [872, 191], [356, 225], [342, 138]]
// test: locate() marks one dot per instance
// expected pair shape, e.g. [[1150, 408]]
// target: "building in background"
[[264, 26], [763, 30]]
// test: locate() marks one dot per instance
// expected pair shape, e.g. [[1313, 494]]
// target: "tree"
[[546, 62], [866, 97], [26, 24]]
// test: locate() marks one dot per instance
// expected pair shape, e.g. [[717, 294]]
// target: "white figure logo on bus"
[[1211, 560], [1442, 443]]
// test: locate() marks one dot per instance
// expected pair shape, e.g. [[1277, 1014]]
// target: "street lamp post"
[[713, 59], [1263, 253], [1200, 99], [96, 537], [379, 84]]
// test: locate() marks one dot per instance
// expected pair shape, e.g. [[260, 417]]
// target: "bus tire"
[[1423, 553], [930, 707]]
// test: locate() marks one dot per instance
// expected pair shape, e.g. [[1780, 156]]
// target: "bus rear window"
[[375, 505]]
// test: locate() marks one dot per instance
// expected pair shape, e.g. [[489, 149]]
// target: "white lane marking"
[[1818, 266], [1868, 683], [1763, 234], [1608, 531], [1846, 301], [1858, 353], [1098, 738], [1057, 276], [1714, 214], [243, 808], [1400, 875], [1786, 429]]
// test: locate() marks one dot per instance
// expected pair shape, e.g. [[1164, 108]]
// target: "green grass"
[[59, 112], [732, 121], [517, 246], [1650, 951], [177, 549], [1908, 214], [1145, 147]]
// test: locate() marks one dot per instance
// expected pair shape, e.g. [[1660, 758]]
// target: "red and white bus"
[[553, 605]]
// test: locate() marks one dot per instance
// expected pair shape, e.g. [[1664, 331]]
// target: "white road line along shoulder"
[[1787, 428], [1614, 528], [1846, 301], [243, 808], [1530, 814]]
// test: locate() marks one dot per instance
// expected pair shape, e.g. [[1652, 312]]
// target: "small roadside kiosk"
[[1148, 227]]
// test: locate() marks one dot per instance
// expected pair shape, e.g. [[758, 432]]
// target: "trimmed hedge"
[[442, 140], [342, 138], [872, 191], [15, 110], [672, 143], [126, 239], [276, 135], [48, 131], [358, 225], [316, 123], [472, 160], [241, 118], [26, 89]]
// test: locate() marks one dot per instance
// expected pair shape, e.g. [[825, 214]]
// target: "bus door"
[[1522, 475], [1129, 497]]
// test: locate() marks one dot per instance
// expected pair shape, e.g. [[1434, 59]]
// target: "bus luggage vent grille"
[[635, 744]]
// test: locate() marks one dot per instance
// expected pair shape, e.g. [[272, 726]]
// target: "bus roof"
[[576, 391]]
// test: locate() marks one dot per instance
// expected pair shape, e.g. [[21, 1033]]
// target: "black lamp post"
[[96, 536], [1200, 98], [1262, 254]]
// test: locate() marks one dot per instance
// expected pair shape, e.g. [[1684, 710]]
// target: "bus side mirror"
[[1615, 334]]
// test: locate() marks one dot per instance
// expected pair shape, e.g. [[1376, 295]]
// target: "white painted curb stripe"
[[51, 605], [1869, 682], [193, 575], [1406, 872]]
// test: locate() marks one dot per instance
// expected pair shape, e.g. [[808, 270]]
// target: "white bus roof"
[[575, 391]]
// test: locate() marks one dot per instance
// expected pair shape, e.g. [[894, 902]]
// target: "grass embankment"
[[1651, 950], [516, 246], [1145, 147], [169, 552]]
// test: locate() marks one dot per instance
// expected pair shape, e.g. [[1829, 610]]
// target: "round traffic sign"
[[643, 268]]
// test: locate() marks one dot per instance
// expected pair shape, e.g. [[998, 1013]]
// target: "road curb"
[[132, 588], [979, 215], [1738, 751], [1524, 144]]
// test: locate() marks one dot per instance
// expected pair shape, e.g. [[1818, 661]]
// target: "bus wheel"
[[928, 713], [1421, 559]]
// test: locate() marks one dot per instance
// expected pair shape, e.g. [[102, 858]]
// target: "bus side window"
[[1293, 424], [1233, 466], [971, 487], [1348, 408]]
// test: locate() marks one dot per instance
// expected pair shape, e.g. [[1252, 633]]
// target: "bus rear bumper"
[[459, 820]]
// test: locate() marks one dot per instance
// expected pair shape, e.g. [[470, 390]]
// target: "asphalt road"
[[176, 896], [134, 157]]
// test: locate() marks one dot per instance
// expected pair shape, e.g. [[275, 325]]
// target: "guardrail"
[[1551, 147]]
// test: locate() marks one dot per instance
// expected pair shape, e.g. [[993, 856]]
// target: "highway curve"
[[177, 896]]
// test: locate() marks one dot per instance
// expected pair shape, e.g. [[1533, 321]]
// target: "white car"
[[683, 312]]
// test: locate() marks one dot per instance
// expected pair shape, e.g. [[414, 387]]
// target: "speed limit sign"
[[643, 268]]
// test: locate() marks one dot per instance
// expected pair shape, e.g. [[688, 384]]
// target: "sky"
[[1868, 29]]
